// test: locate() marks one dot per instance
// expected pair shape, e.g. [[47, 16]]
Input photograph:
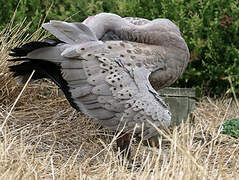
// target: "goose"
[[109, 68]]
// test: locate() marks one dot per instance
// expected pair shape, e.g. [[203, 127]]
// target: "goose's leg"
[[123, 143]]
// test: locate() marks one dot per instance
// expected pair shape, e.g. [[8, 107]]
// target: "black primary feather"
[[43, 68]]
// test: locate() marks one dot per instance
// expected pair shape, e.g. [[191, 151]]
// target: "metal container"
[[181, 102]]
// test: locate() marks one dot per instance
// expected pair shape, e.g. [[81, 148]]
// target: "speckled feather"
[[121, 86]]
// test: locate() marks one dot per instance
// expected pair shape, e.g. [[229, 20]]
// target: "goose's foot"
[[123, 143]]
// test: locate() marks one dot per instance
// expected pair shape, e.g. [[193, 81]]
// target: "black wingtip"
[[17, 59]]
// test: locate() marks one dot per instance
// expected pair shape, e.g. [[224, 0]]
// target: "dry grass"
[[44, 138]]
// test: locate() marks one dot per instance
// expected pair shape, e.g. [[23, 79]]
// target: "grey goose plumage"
[[106, 67]]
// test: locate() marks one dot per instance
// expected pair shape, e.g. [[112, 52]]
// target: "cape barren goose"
[[106, 67]]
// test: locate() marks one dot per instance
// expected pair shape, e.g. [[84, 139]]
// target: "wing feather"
[[70, 33]]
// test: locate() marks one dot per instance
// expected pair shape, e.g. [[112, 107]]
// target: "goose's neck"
[[160, 32]]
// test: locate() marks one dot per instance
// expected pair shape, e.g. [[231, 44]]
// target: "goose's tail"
[[40, 57]]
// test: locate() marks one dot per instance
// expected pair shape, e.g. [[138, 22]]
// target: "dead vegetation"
[[42, 137]]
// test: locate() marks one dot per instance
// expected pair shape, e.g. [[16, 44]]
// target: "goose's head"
[[106, 22]]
